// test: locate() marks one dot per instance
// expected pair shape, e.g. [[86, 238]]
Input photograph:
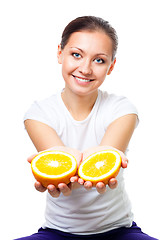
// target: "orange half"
[[100, 166], [53, 167]]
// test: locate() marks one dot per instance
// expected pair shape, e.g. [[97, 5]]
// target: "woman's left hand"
[[100, 186]]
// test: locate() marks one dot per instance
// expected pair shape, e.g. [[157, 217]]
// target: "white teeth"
[[82, 80]]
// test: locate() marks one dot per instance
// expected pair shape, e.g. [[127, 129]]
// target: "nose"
[[85, 67]]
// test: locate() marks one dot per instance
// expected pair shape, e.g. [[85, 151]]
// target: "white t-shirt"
[[85, 212]]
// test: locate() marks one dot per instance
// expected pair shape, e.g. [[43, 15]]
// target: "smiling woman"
[[83, 120]]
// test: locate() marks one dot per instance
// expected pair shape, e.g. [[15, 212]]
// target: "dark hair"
[[90, 23]]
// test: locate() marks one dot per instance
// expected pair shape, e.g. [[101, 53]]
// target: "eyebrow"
[[96, 54]]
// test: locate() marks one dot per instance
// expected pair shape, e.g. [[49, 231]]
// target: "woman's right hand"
[[54, 192], [62, 187]]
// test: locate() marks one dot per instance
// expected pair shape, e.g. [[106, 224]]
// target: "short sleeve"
[[116, 107], [43, 111], [121, 107]]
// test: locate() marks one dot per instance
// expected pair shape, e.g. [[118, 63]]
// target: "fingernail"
[[51, 188], [101, 187], [113, 183], [81, 181]]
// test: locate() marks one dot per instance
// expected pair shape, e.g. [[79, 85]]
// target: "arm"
[[42, 136], [117, 135]]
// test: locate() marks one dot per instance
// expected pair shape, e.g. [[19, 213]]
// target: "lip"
[[83, 79]]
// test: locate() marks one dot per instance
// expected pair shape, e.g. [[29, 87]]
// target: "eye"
[[99, 60], [76, 55]]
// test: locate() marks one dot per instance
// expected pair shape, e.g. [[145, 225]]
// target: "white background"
[[30, 32]]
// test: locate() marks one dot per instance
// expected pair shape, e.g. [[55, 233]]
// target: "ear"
[[59, 54], [111, 67]]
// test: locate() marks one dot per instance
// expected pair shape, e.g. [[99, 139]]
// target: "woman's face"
[[86, 60]]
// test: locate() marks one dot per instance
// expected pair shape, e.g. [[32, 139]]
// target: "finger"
[[124, 162], [101, 187], [81, 181], [88, 185], [53, 191], [74, 183], [29, 159], [113, 183], [39, 187], [74, 179], [65, 189]]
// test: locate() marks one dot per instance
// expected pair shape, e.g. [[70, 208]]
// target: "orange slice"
[[100, 166], [53, 167]]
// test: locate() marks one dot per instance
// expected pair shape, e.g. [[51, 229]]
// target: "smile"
[[82, 79]]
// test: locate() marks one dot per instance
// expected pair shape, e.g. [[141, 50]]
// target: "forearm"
[[119, 133], [42, 136]]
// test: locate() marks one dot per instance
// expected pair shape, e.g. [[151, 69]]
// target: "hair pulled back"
[[90, 23]]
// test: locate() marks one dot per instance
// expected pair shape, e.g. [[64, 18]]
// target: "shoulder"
[[45, 105], [112, 98], [50, 102], [45, 110], [115, 106], [118, 102]]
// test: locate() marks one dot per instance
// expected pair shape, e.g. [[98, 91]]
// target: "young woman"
[[82, 119]]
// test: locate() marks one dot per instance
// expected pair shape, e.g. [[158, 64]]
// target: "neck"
[[79, 106]]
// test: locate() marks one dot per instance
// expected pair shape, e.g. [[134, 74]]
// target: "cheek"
[[68, 66], [101, 73]]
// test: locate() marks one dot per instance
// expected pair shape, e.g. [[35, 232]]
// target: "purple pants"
[[132, 233]]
